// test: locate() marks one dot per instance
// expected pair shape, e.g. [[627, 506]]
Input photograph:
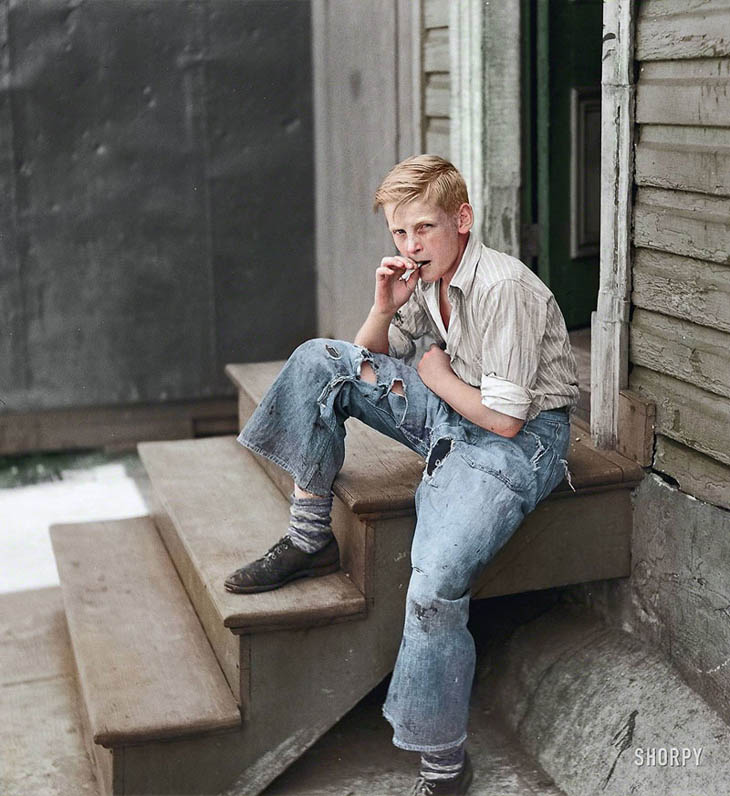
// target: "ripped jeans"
[[476, 489]]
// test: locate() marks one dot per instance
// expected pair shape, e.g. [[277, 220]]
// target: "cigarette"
[[407, 275]]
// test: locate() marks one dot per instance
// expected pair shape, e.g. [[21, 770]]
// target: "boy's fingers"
[[398, 262]]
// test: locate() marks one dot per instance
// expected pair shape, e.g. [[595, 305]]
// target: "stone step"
[[216, 510], [579, 533], [603, 711]]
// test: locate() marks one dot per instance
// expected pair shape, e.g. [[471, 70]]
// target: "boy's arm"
[[391, 293], [373, 334], [436, 373]]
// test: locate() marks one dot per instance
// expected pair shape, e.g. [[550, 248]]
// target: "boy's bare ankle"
[[301, 493]]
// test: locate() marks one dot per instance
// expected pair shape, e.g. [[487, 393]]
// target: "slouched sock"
[[310, 526], [436, 766]]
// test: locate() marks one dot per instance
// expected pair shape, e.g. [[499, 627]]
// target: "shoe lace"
[[273, 553], [423, 787]]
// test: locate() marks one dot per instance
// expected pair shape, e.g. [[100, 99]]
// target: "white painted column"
[[486, 114], [610, 322]]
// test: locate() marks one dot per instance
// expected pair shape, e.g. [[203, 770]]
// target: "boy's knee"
[[367, 373]]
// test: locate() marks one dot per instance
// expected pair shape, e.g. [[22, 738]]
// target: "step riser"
[[552, 548], [101, 758], [301, 683], [334, 666], [224, 643]]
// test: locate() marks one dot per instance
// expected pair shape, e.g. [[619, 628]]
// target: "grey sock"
[[310, 527], [442, 765]]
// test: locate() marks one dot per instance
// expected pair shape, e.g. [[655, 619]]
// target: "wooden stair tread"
[[226, 512], [145, 666], [381, 475]]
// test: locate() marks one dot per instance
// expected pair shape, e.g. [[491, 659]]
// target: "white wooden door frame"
[[486, 63], [610, 322]]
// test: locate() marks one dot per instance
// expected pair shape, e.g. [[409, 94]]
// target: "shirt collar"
[[468, 265]]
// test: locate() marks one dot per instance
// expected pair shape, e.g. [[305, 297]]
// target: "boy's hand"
[[434, 365], [391, 290]]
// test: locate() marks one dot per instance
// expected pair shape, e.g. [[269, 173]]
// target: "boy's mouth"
[[421, 263]]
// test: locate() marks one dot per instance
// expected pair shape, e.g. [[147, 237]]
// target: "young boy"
[[487, 406]]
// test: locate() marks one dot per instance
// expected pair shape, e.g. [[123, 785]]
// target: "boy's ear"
[[465, 218]]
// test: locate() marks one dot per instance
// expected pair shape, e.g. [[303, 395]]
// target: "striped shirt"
[[506, 335]]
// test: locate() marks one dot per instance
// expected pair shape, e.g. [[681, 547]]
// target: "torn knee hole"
[[367, 372], [398, 387]]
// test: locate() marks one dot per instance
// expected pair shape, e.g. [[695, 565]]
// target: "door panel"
[[564, 37]]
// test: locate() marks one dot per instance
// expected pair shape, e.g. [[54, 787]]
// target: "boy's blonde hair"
[[427, 177]]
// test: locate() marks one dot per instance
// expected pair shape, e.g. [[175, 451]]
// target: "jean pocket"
[[504, 461]]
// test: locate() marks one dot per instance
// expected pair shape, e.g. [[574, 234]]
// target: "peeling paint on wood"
[[609, 323], [684, 158], [636, 418], [695, 225], [670, 30], [695, 92], [696, 474], [687, 414], [696, 290], [690, 352]]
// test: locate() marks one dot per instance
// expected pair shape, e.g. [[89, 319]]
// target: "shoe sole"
[[303, 573]]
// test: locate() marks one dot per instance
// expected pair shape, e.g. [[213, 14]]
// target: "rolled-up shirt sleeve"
[[511, 346]]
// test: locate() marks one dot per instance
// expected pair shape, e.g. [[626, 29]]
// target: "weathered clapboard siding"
[[436, 13], [696, 225], [684, 158], [436, 50], [674, 29], [436, 78], [680, 331], [437, 97], [696, 290], [437, 137], [688, 414], [690, 352], [696, 473], [684, 92]]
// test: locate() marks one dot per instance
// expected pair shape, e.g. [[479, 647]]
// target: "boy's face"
[[428, 235]]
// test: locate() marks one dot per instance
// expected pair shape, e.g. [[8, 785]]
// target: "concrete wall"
[[156, 196]]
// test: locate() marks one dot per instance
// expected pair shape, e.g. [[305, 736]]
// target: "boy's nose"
[[413, 246]]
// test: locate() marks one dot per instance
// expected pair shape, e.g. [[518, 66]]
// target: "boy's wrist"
[[386, 316]]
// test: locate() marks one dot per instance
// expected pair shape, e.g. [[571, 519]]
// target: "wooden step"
[[578, 534], [146, 670], [380, 475], [216, 510]]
